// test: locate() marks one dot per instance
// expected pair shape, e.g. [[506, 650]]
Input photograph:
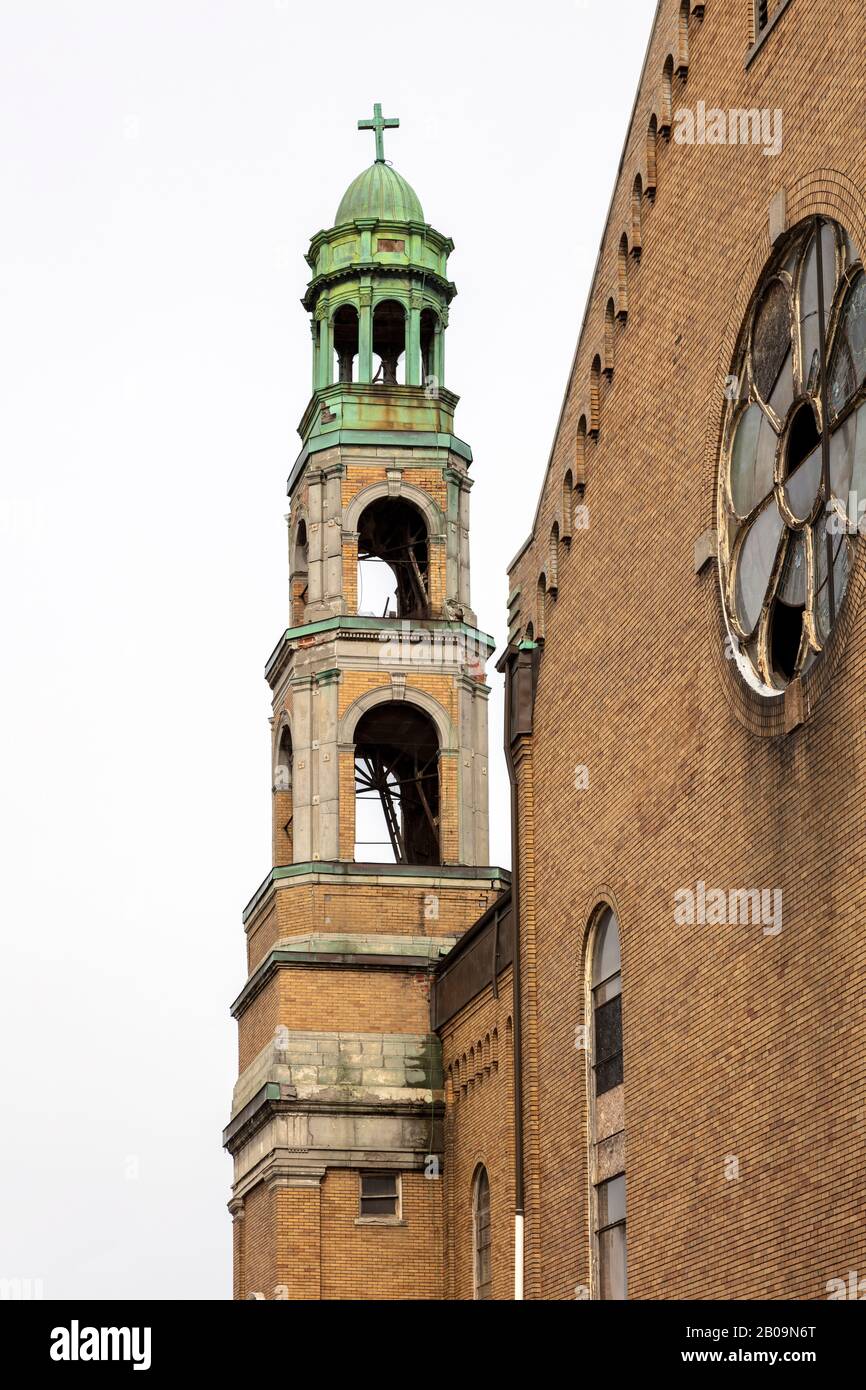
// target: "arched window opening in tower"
[[428, 348], [396, 787], [300, 565], [283, 766], [346, 341], [393, 561], [283, 806], [389, 342]]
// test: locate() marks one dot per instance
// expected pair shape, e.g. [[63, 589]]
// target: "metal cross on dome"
[[380, 124]]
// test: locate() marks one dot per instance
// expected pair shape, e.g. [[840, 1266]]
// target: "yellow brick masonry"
[[736, 1045]]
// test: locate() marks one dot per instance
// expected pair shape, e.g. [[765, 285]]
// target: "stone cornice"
[[385, 404], [356, 627], [322, 960], [268, 1102], [378, 439]]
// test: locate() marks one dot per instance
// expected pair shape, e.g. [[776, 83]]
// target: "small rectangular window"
[[380, 1196]]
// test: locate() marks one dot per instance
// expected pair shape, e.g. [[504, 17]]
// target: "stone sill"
[[379, 1221]]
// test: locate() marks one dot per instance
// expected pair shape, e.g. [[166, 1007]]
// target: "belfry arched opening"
[[397, 786]]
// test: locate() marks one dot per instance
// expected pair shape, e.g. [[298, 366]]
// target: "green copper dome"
[[380, 192]]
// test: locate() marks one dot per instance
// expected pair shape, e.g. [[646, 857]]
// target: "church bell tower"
[[379, 789]]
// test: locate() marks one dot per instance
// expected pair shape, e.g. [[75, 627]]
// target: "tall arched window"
[[607, 1156], [606, 1006], [481, 1234]]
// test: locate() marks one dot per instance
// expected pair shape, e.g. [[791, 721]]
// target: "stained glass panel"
[[842, 458], [801, 487], [782, 395], [771, 337], [858, 475], [841, 572], [848, 368], [792, 584], [755, 565], [752, 458], [809, 335]]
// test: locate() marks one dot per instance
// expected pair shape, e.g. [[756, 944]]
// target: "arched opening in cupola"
[[346, 341], [389, 342], [429, 365], [393, 560], [396, 786]]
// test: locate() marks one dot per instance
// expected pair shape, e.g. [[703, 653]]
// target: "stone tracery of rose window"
[[792, 481]]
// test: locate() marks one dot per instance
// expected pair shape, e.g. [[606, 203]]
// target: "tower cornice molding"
[[357, 628], [413, 271], [476, 877], [440, 445]]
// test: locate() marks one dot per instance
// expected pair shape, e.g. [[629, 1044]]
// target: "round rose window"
[[792, 485]]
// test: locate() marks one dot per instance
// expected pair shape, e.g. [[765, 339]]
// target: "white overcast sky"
[[164, 165]]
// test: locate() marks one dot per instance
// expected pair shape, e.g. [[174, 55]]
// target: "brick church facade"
[[635, 1065]]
